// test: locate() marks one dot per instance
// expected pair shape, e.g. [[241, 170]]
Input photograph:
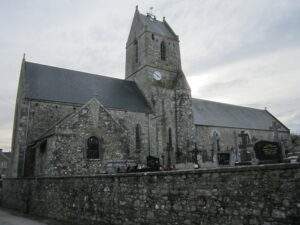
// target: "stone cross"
[[245, 139], [245, 156], [275, 126], [216, 142]]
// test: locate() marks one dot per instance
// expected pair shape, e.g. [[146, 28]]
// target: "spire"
[[24, 56], [136, 8]]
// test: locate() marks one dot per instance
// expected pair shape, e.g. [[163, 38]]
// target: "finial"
[[24, 56], [266, 108], [137, 8], [151, 14], [164, 19]]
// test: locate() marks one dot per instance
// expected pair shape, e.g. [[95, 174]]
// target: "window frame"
[[138, 138], [93, 154], [163, 51]]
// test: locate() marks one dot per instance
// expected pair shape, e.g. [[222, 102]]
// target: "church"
[[71, 123]]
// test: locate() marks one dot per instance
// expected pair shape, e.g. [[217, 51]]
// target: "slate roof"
[[156, 26], [209, 113], [50, 83]]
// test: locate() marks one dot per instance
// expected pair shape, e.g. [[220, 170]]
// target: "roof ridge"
[[86, 73], [223, 103]]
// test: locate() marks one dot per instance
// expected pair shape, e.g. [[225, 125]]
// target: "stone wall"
[[255, 195], [65, 153], [38, 116]]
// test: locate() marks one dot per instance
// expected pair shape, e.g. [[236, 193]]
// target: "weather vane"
[[151, 13]]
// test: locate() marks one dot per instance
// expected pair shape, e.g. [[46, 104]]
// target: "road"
[[13, 218]]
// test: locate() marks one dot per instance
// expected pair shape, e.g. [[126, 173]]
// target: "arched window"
[[43, 146], [136, 49], [92, 151], [138, 141], [170, 137], [163, 51]]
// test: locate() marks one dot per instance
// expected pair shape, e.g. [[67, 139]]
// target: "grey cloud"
[[216, 88]]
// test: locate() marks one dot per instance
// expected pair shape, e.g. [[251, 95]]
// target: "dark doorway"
[[29, 162]]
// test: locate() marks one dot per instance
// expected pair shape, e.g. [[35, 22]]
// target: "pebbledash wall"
[[261, 195]]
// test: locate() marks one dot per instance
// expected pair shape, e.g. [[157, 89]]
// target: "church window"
[[138, 142], [163, 51], [92, 148], [170, 137], [136, 48], [152, 36], [43, 146]]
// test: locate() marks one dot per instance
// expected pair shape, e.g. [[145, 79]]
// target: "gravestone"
[[152, 163], [268, 152], [245, 154], [223, 158]]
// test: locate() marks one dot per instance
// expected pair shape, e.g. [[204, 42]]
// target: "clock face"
[[157, 75]]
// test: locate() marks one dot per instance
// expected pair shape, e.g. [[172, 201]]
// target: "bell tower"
[[151, 43], [153, 62]]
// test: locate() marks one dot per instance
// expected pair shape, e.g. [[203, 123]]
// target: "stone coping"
[[278, 166]]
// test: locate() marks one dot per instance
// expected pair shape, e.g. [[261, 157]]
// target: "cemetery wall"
[[261, 195]]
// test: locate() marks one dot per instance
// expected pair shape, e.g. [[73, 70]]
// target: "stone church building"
[[74, 123]]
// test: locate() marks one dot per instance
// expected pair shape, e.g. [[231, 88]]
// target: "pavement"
[[8, 217]]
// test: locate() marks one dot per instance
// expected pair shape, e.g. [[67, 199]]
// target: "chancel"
[[75, 123]]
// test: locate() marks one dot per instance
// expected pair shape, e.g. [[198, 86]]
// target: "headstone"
[[245, 153], [268, 152], [275, 126], [152, 163], [216, 142], [223, 158]]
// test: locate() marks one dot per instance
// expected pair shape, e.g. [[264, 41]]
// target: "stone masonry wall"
[[230, 140], [66, 147], [256, 195], [39, 116]]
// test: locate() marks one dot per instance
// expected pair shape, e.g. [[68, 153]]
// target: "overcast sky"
[[244, 52]]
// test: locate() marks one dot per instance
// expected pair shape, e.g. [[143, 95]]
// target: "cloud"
[[269, 80]]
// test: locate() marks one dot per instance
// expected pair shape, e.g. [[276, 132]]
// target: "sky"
[[243, 52]]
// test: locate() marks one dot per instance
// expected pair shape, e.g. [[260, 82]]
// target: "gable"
[[62, 85], [209, 113]]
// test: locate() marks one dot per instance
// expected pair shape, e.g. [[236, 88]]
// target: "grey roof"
[[63, 85], [157, 26], [209, 113]]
